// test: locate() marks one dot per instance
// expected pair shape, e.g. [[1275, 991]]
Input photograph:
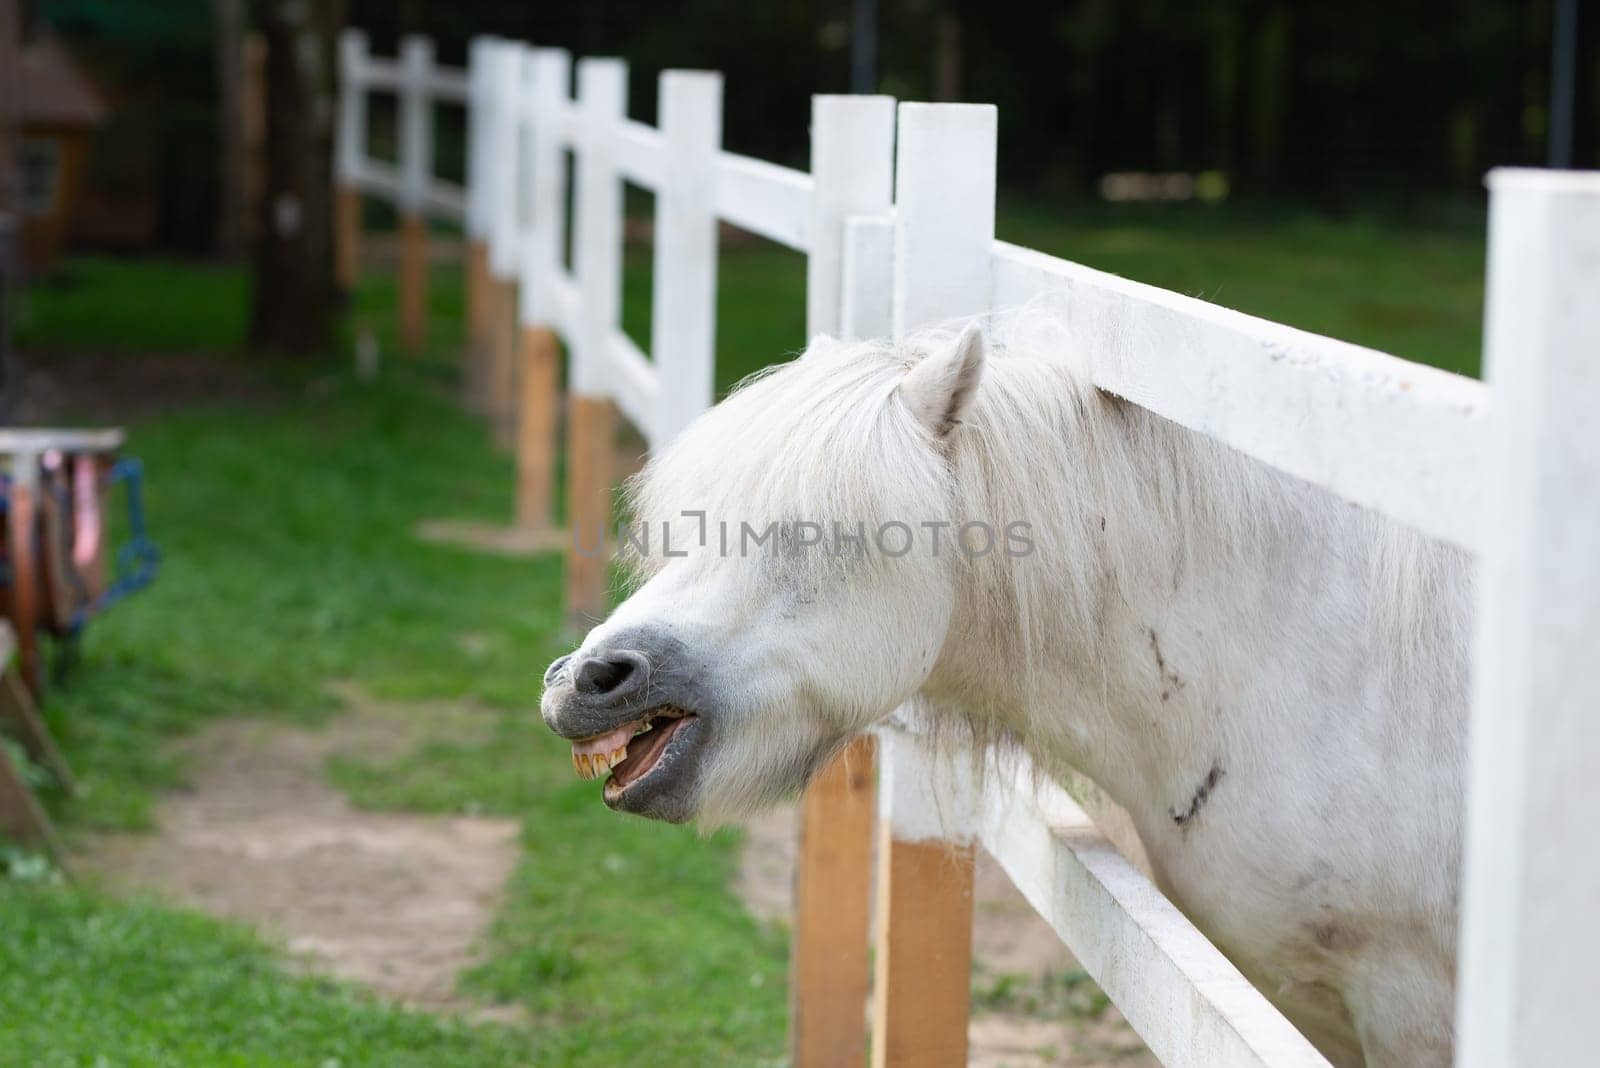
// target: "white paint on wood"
[[597, 245], [634, 382], [380, 180], [852, 170], [866, 308], [416, 123], [502, 178], [768, 200], [542, 181], [445, 200], [684, 308], [1398, 437], [944, 213], [1186, 1000], [1531, 906], [923, 797], [448, 85], [378, 74], [480, 144], [352, 128], [639, 153]]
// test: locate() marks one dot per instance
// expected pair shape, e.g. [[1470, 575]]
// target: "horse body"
[[1271, 682]]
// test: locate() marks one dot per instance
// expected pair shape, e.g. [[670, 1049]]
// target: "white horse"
[[1272, 682]]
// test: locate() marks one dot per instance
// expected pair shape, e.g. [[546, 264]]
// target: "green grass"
[[107, 305], [1415, 293], [135, 985], [290, 563]]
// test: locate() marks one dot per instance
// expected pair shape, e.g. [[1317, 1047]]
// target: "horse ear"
[[939, 390]]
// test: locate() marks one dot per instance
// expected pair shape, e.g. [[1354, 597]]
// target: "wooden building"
[[60, 111]]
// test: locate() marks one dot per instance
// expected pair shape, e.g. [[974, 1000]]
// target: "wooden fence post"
[[943, 240], [23, 562], [539, 383], [1531, 901], [922, 986], [416, 175], [352, 147], [683, 332], [592, 415], [852, 165]]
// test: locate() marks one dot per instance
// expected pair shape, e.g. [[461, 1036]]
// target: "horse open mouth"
[[633, 750]]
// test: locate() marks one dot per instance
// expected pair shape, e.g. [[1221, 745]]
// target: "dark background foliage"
[[1342, 104]]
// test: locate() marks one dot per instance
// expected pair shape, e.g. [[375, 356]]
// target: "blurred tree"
[[232, 157], [294, 295]]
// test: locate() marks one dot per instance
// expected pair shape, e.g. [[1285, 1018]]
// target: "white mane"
[[1111, 493]]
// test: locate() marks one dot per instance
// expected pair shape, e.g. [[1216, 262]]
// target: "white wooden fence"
[[896, 220]]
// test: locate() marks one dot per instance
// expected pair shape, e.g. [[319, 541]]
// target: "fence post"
[[943, 241], [683, 332], [592, 414], [852, 166], [502, 215], [921, 991], [481, 147], [537, 418], [352, 149], [416, 174], [1531, 898]]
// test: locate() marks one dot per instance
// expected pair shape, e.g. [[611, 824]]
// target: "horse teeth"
[[617, 756]]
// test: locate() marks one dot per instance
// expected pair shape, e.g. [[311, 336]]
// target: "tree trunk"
[[295, 294], [10, 96], [231, 162]]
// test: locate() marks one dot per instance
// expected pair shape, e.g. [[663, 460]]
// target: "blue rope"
[[139, 559]]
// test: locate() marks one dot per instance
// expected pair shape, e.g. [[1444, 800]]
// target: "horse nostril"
[[553, 673], [599, 675]]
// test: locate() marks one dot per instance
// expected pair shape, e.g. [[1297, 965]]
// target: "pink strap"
[[86, 510]]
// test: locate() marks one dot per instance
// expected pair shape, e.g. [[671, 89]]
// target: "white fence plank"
[[768, 200], [1187, 1001], [852, 167], [1531, 906], [416, 124], [597, 244], [378, 74], [480, 144], [684, 308], [1404, 439], [542, 181], [866, 307], [351, 147], [944, 213], [451, 86], [639, 153], [505, 235], [445, 200], [635, 384]]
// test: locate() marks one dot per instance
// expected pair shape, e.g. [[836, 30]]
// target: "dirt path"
[[399, 901], [396, 901], [1015, 955]]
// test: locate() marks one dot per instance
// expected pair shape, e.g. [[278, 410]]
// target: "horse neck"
[[1106, 649]]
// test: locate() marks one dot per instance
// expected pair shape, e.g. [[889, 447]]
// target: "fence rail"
[[896, 219]]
